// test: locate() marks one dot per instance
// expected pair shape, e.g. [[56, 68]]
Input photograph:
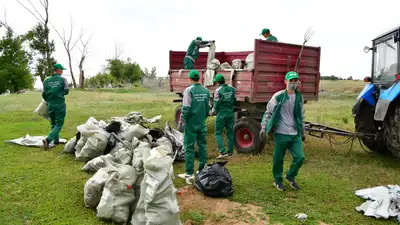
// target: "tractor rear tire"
[[392, 130], [364, 122], [247, 139]]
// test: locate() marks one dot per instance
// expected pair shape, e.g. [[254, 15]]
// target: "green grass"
[[120, 90], [39, 187]]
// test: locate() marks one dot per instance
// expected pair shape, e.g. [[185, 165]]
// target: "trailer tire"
[[178, 112], [392, 130], [364, 122], [247, 138]]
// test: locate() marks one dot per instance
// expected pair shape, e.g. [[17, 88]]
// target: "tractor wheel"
[[247, 139], [364, 122], [392, 130]]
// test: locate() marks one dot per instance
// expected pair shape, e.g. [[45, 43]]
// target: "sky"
[[148, 30]]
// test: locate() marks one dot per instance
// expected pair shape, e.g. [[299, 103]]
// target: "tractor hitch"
[[320, 131]]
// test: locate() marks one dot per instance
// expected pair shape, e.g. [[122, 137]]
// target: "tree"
[[118, 51], [14, 61], [84, 52], [124, 71], [153, 73], [146, 73], [69, 46], [40, 40]]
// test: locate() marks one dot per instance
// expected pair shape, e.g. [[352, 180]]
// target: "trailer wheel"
[[247, 138], [178, 112], [364, 122], [392, 130]]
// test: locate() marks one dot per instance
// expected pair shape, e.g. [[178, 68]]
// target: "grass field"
[[46, 187]]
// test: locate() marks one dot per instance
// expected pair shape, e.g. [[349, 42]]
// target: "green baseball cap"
[[219, 77], [291, 75], [265, 30], [194, 74], [199, 38], [58, 67]]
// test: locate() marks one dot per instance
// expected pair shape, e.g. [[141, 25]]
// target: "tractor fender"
[[384, 101], [365, 95]]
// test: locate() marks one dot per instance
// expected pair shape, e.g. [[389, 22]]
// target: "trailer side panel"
[[272, 60]]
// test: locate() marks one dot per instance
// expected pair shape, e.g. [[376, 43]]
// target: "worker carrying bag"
[[214, 180]]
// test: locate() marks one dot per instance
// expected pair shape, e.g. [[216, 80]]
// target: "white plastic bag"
[[69, 147], [93, 188], [130, 132], [225, 66], [118, 194], [250, 61], [137, 159], [79, 145], [43, 110], [157, 204], [90, 127], [211, 53], [99, 162], [236, 63], [95, 146], [166, 144], [124, 155], [214, 64]]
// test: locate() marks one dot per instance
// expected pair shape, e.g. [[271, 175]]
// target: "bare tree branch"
[[4, 23], [118, 50], [69, 45], [34, 8], [43, 3], [41, 21]]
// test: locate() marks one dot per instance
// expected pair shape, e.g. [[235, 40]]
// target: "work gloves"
[[303, 138]]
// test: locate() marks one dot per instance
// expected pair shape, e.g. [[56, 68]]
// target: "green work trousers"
[[192, 136], [295, 146], [57, 112], [188, 64], [224, 121]]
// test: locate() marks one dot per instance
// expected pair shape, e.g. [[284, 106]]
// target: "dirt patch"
[[217, 211]]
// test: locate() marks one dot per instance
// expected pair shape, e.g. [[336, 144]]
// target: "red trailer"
[[272, 60]]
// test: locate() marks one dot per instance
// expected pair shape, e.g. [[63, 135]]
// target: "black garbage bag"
[[214, 180], [156, 133]]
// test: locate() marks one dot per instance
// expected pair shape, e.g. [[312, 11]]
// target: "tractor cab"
[[385, 68], [377, 107]]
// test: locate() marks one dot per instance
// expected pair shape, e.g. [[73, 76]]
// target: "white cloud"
[[149, 29]]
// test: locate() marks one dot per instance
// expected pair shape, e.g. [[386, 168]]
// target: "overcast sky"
[[147, 30]]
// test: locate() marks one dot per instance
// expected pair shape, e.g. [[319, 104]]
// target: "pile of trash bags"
[[118, 139], [133, 169], [382, 201]]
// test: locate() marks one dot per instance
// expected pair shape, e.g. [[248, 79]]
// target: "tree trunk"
[[49, 68], [70, 69], [81, 78]]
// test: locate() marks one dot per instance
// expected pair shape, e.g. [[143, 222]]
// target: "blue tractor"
[[377, 108]]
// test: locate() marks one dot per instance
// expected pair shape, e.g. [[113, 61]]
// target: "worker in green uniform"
[[268, 36], [195, 110], [193, 52], [284, 120], [54, 89], [224, 106]]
